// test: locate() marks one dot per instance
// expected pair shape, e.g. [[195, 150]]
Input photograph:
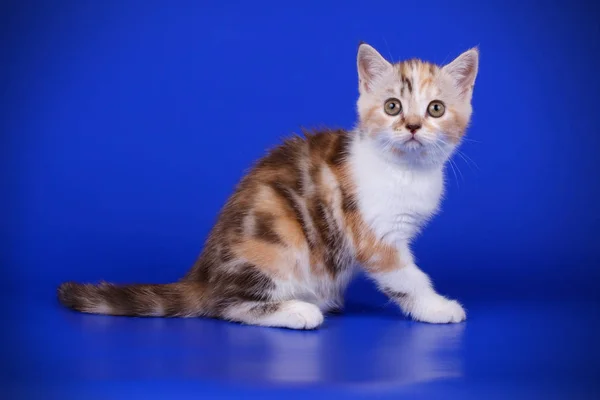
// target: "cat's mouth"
[[412, 143]]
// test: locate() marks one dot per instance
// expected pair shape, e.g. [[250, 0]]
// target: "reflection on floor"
[[516, 350]]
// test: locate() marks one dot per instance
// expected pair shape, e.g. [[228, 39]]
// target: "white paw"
[[437, 309], [297, 314]]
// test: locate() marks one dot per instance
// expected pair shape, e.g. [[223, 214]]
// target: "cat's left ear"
[[463, 70], [371, 66]]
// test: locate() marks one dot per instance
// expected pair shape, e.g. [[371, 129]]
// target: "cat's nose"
[[413, 128]]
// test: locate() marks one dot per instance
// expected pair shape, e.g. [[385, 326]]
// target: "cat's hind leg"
[[292, 314]]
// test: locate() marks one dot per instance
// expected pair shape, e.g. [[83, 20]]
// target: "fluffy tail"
[[182, 299]]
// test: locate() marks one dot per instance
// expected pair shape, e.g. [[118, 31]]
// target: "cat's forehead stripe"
[[415, 70], [416, 66]]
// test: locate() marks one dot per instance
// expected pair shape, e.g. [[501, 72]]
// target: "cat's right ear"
[[371, 66]]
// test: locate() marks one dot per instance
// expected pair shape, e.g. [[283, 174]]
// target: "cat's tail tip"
[[68, 295], [82, 297]]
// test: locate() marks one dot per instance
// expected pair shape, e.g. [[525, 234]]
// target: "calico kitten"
[[288, 240]]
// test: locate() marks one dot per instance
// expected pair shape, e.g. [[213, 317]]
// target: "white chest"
[[395, 201]]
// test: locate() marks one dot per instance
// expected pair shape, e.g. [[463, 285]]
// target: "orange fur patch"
[[265, 256]]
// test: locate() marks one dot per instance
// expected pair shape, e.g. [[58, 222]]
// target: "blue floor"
[[506, 350]]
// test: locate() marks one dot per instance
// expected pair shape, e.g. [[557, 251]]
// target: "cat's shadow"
[[377, 310]]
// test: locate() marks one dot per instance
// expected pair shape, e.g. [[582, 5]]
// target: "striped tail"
[[182, 299]]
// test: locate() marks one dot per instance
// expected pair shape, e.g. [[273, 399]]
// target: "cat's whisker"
[[455, 176], [439, 148], [459, 170], [471, 140], [388, 48], [468, 160]]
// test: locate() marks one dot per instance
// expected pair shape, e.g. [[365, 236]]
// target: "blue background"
[[126, 124]]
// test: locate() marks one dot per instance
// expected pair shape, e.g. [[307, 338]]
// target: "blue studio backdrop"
[[126, 124]]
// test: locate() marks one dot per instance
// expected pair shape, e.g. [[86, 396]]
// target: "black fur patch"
[[406, 83], [264, 228], [264, 308], [340, 149], [246, 283], [336, 256], [394, 295], [287, 195], [348, 202]]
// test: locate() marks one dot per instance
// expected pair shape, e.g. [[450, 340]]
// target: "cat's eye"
[[392, 106], [436, 109]]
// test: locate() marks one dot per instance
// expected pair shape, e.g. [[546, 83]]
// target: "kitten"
[[288, 240]]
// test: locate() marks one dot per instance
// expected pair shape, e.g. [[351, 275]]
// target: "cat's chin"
[[416, 155], [412, 144], [411, 148]]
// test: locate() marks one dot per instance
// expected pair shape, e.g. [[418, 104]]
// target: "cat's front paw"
[[300, 315], [437, 309]]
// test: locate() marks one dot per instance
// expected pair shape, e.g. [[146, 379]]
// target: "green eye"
[[436, 109], [392, 106]]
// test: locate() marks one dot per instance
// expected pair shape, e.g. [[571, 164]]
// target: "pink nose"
[[413, 128]]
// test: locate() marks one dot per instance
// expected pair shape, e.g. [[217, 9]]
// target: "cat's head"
[[413, 111]]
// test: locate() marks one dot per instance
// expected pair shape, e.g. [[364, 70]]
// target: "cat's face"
[[415, 112]]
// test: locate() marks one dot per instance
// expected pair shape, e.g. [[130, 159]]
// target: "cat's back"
[[296, 165], [287, 210]]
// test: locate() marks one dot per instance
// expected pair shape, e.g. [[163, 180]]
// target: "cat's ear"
[[371, 65], [463, 70]]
